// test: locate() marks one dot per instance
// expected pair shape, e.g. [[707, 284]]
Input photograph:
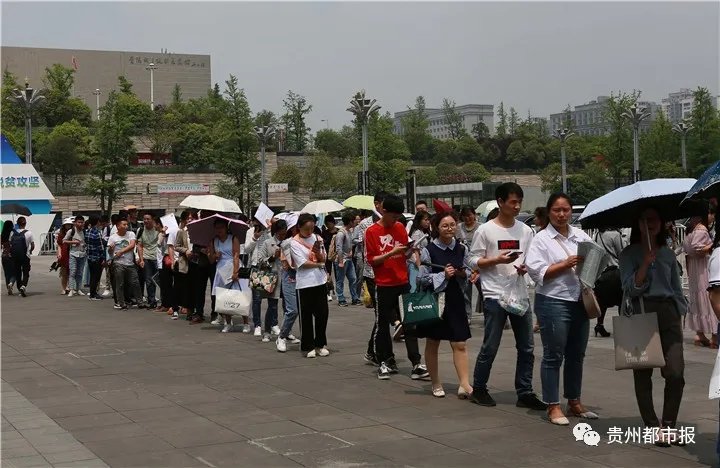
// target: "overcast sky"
[[536, 56]]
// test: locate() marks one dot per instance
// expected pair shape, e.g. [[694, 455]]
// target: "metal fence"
[[48, 246]]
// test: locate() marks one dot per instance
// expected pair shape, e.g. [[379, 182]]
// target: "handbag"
[[263, 279], [637, 339], [232, 301], [421, 307], [590, 302]]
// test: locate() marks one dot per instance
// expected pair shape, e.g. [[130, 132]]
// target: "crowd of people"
[[381, 256]]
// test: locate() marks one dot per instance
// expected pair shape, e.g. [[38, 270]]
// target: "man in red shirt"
[[385, 244]]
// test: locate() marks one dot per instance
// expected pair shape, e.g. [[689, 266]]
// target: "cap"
[[69, 220]]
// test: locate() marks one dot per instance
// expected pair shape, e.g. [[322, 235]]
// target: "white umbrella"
[[322, 206], [485, 208], [622, 207], [210, 203]]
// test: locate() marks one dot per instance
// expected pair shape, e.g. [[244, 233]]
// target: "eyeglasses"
[[451, 227]]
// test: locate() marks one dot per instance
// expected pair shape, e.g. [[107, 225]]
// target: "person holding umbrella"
[[224, 251], [649, 273]]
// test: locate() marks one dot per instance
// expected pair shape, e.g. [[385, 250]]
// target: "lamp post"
[[264, 134], [28, 98], [562, 135], [636, 115], [327, 123], [96, 93], [152, 67], [682, 129], [363, 107]]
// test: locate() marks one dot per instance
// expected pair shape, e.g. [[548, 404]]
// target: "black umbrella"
[[708, 185], [15, 208]]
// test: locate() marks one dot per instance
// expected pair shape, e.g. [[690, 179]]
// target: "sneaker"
[[247, 328], [175, 316], [22, 291], [70, 294], [383, 372], [258, 331], [370, 359], [265, 338], [219, 321], [329, 298], [275, 330], [324, 352], [311, 354], [343, 303], [291, 338], [106, 293], [281, 345], [397, 331], [96, 298], [482, 398], [356, 302], [419, 372], [392, 365], [80, 292], [117, 307], [10, 289], [227, 328], [530, 400]]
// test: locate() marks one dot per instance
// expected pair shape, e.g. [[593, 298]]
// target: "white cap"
[[70, 220]]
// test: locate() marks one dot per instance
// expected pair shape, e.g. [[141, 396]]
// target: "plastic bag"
[[515, 299], [365, 297]]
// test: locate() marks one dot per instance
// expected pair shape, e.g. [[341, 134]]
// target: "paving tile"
[[75, 455], [91, 463], [92, 420], [271, 429], [408, 450], [371, 434], [250, 454], [335, 422], [118, 431], [78, 409], [303, 443], [26, 462], [106, 449], [342, 457], [24, 450], [173, 458], [163, 413]]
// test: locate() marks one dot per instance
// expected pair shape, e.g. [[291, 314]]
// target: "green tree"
[[703, 145], [513, 122], [266, 118], [12, 114], [59, 105], [317, 176], [125, 85], [296, 108], [589, 184], [476, 172], [501, 128], [480, 131], [663, 169], [619, 154], [383, 143], [193, 146], [453, 119], [516, 154], [415, 126], [176, 98], [288, 174], [336, 144], [426, 176], [59, 158], [658, 144]]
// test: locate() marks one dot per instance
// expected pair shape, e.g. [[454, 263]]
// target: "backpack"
[[332, 253], [18, 244]]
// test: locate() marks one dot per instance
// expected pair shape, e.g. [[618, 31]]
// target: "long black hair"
[[662, 236], [417, 222], [7, 229]]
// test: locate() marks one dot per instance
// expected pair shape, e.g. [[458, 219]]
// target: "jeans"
[[347, 270], [77, 266], [95, 270], [290, 303], [359, 265], [149, 271], [495, 318], [271, 314], [564, 329], [386, 312], [126, 279], [413, 273]]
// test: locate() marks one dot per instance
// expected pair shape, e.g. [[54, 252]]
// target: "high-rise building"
[[471, 115], [679, 105], [588, 119]]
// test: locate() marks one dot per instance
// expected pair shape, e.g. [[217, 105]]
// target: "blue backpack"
[[18, 244]]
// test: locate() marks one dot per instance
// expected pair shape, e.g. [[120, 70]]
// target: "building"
[[471, 114], [678, 106], [99, 69], [588, 119]]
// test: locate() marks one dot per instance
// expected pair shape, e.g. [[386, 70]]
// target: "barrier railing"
[[47, 244]]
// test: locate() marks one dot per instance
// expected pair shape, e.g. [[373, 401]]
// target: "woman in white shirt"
[[564, 326], [308, 256]]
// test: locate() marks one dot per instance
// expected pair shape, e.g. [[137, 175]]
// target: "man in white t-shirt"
[[121, 247], [498, 252]]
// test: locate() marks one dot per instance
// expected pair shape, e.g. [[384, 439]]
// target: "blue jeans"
[[290, 306], [271, 314], [495, 317], [564, 329], [77, 266], [413, 273], [149, 271], [348, 269]]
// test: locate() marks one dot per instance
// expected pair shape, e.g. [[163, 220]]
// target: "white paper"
[[595, 260], [714, 391], [170, 222], [264, 214]]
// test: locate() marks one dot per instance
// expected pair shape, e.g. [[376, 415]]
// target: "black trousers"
[[387, 311], [313, 307], [183, 294], [22, 271], [198, 285], [95, 269], [167, 293]]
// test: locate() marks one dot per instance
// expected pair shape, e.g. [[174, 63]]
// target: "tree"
[[13, 115], [194, 146], [453, 119], [296, 108], [516, 154], [658, 144], [59, 105], [704, 138], [113, 149], [336, 144], [317, 174], [266, 118], [567, 118], [176, 95], [502, 126], [383, 143], [476, 172], [480, 131], [588, 185], [125, 85], [426, 176], [513, 122], [415, 132], [619, 155], [289, 174], [59, 157]]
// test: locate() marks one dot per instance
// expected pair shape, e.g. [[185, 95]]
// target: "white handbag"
[[232, 300]]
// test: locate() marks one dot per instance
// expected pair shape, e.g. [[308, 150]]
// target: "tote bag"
[[637, 340], [232, 300], [421, 307]]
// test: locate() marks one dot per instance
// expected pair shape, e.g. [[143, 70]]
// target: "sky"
[[535, 56]]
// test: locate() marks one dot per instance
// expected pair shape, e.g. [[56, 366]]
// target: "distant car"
[[526, 218]]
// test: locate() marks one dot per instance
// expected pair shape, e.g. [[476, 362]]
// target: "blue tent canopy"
[[7, 153]]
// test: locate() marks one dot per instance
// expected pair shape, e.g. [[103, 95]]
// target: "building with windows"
[[471, 114], [99, 69], [678, 106], [588, 119]]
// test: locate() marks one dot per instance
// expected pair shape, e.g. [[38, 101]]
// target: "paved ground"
[[85, 385]]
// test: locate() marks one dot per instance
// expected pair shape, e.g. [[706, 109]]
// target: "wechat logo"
[[584, 432]]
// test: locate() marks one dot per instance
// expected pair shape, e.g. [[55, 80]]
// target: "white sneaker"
[[71, 293], [281, 345], [265, 338], [217, 321], [293, 340], [258, 331], [175, 316], [247, 328], [324, 352], [80, 293], [311, 354], [275, 330], [329, 298], [227, 328], [107, 293]]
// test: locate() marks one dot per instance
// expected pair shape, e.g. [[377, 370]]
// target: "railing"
[[48, 246]]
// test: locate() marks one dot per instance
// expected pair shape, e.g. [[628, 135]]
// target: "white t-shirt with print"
[[121, 242], [306, 277]]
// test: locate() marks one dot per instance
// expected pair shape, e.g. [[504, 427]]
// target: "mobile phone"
[[516, 253]]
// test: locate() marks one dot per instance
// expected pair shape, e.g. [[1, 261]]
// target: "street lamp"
[[327, 123], [363, 108], [682, 129], [152, 67], [28, 98], [563, 135], [96, 93], [636, 115], [264, 134]]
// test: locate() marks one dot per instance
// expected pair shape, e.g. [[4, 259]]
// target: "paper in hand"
[[264, 214], [170, 222]]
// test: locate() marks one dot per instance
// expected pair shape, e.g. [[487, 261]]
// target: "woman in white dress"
[[225, 252]]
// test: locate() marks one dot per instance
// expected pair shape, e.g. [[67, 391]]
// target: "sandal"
[[438, 392], [704, 343]]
